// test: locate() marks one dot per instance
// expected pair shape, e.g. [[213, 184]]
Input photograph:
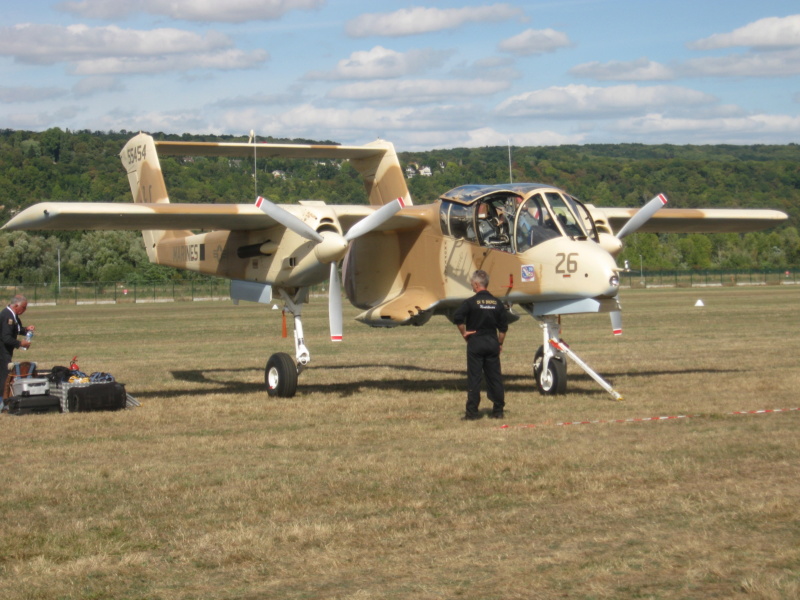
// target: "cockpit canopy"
[[513, 217]]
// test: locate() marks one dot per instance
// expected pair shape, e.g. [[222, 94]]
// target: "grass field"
[[367, 485]]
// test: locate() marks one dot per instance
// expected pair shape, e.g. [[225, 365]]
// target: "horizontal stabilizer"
[[377, 162], [242, 150]]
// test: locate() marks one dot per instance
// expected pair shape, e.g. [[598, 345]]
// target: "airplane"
[[547, 253]]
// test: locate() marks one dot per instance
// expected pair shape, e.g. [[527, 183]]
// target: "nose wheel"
[[280, 375], [552, 380]]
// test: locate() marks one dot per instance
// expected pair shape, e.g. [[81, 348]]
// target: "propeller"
[[331, 247], [616, 321], [287, 219], [642, 216]]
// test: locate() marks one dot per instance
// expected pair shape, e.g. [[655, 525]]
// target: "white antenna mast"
[[252, 140], [510, 176]]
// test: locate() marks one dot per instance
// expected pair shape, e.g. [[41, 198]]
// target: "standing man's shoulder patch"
[[11, 321]]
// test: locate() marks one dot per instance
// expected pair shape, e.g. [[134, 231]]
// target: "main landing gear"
[[550, 361], [281, 372]]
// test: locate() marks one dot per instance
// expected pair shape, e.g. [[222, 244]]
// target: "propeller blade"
[[642, 216], [616, 322], [376, 219], [335, 304], [287, 219]]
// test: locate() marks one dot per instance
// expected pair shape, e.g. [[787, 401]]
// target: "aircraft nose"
[[605, 274], [613, 285]]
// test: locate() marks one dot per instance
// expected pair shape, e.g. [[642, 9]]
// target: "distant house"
[[278, 174], [413, 169]]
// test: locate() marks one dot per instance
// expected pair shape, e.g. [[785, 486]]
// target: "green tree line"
[[57, 165]]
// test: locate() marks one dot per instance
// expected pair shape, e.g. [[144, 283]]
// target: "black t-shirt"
[[483, 314]]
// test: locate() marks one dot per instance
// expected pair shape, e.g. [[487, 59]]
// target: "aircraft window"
[[495, 220], [460, 220], [444, 217], [583, 213], [565, 217], [534, 224]]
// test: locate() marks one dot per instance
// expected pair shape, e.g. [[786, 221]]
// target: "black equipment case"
[[25, 405], [97, 396]]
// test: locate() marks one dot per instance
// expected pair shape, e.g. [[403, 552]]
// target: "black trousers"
[[5, 358], [483, 360]]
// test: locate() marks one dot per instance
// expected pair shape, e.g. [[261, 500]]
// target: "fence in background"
[[219, 289], [709, 278]]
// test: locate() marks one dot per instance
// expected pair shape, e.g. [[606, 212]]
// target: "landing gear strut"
[[550, 363], [281, 372]]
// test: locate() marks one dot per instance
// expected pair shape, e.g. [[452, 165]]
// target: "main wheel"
[[555, 380], [281, 375]]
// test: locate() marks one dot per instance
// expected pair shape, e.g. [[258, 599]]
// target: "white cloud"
[[93, 85], [352, 126], [183, 120], [49, 44], [733, 130], [417, 91], [490, 68], [123, 51], [772, 32], [779, 63], [640, 69], [307, 120], [225, 60], [205, 11], [580, 101], [412, 21], [38, 121], [27, 94], [535, 41], [382, 63], [486, 136]]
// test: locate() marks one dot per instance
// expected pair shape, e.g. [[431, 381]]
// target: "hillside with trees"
[[57, 165]]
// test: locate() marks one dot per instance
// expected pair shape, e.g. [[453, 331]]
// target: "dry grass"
[[366, 485]]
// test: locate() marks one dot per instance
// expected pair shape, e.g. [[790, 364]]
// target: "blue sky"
[[424, 75]]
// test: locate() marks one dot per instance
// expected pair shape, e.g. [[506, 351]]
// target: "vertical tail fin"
[[382, 174], [140, 160]]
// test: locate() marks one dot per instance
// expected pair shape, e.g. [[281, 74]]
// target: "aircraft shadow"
[[436, 379]]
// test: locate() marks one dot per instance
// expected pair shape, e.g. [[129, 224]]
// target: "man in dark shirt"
[[11, 328], [483, 322]]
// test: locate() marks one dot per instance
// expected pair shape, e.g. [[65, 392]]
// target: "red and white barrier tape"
[[644, 419]]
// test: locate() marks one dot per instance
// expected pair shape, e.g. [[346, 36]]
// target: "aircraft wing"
[[55, 216], [72, 216], [695, 220]]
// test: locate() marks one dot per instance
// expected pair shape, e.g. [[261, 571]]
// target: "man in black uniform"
[[10, 328], [483, 322]]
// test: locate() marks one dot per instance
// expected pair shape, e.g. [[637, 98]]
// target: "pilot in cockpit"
[[535, 226]]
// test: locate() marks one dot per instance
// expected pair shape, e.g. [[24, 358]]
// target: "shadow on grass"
[[436, 380]]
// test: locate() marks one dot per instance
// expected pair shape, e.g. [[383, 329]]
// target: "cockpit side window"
[[534, 224], [457, 220], [586, 220], [495, 221], [565, 217]]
